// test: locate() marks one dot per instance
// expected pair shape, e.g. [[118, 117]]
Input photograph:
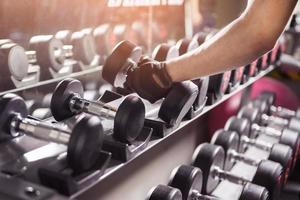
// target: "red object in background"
[[284, 97]]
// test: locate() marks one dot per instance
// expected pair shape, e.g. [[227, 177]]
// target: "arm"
[[239, 43]]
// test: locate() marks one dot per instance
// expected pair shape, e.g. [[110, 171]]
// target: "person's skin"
[[253, 34]]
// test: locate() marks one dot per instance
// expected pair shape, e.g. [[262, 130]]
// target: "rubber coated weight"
[[10, 105], [218, 84], [186, 45], [163, 192], [101, 35], [253, 114], [267, 96], [186, 179], [64, 36], [129, 119], [165, 52], [229, 140], [119, 61], [178, 102], [269, 175], [252, 191], [62, 94], [241, 126], [291, 139], [200, 37], [283, 155], [14, 61], [84, 48], [49, 52], [85, 144], [206, 157]]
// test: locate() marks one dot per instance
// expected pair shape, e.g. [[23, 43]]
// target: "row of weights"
[[85, 136], [201, 178], [227, 147]]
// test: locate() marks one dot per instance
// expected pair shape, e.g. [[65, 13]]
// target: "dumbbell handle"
[[282, 112], [235, 156], [196, 195], [78, 104], [218, 173], [40, 130], [245, 141], [255, 128], [266, 119]]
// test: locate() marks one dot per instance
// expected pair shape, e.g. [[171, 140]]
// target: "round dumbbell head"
[[187, 179], [64, 36], [117, 63], [14, 61], [49, 51], [10, 106], [283, 155], [129, 119], [251, 113], [165, 52], [85, 144], [294, 123], [262, 106], [229, 140], [178, 102], [186, 45], [163, 192], [101, 34], [269, 175], [84, 48], [267, 96], [200, 37], [218, 84], [206, 157], [291, 139], [241, 126], [60, 102], [252, 191]]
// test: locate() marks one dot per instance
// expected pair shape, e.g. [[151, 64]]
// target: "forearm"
[[238, 44]]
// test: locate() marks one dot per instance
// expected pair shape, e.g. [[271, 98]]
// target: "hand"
[[149, 79]]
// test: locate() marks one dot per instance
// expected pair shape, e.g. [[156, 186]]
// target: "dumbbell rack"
[[133, 179]]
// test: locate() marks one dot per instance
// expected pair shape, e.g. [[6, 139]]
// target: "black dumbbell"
[[13, 60], [264, 118], [243, 127], [81, 45], [84, 141], [189, 180], [163, 192], [67, 101], [285, 135], [270, 98], [230, 141], [125, 56], [184, 46], [210, 159]]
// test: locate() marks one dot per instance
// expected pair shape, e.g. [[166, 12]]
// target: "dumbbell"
[[230, 141], [81, 44], [264, 118], [13, 60], [285, 135], [269, 98], [237, 76], [163, 192], [184, 46], [243, 126], [189, 180], [179, 99], [251, 69], [67, 101], [210, 159], [84, 141]]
